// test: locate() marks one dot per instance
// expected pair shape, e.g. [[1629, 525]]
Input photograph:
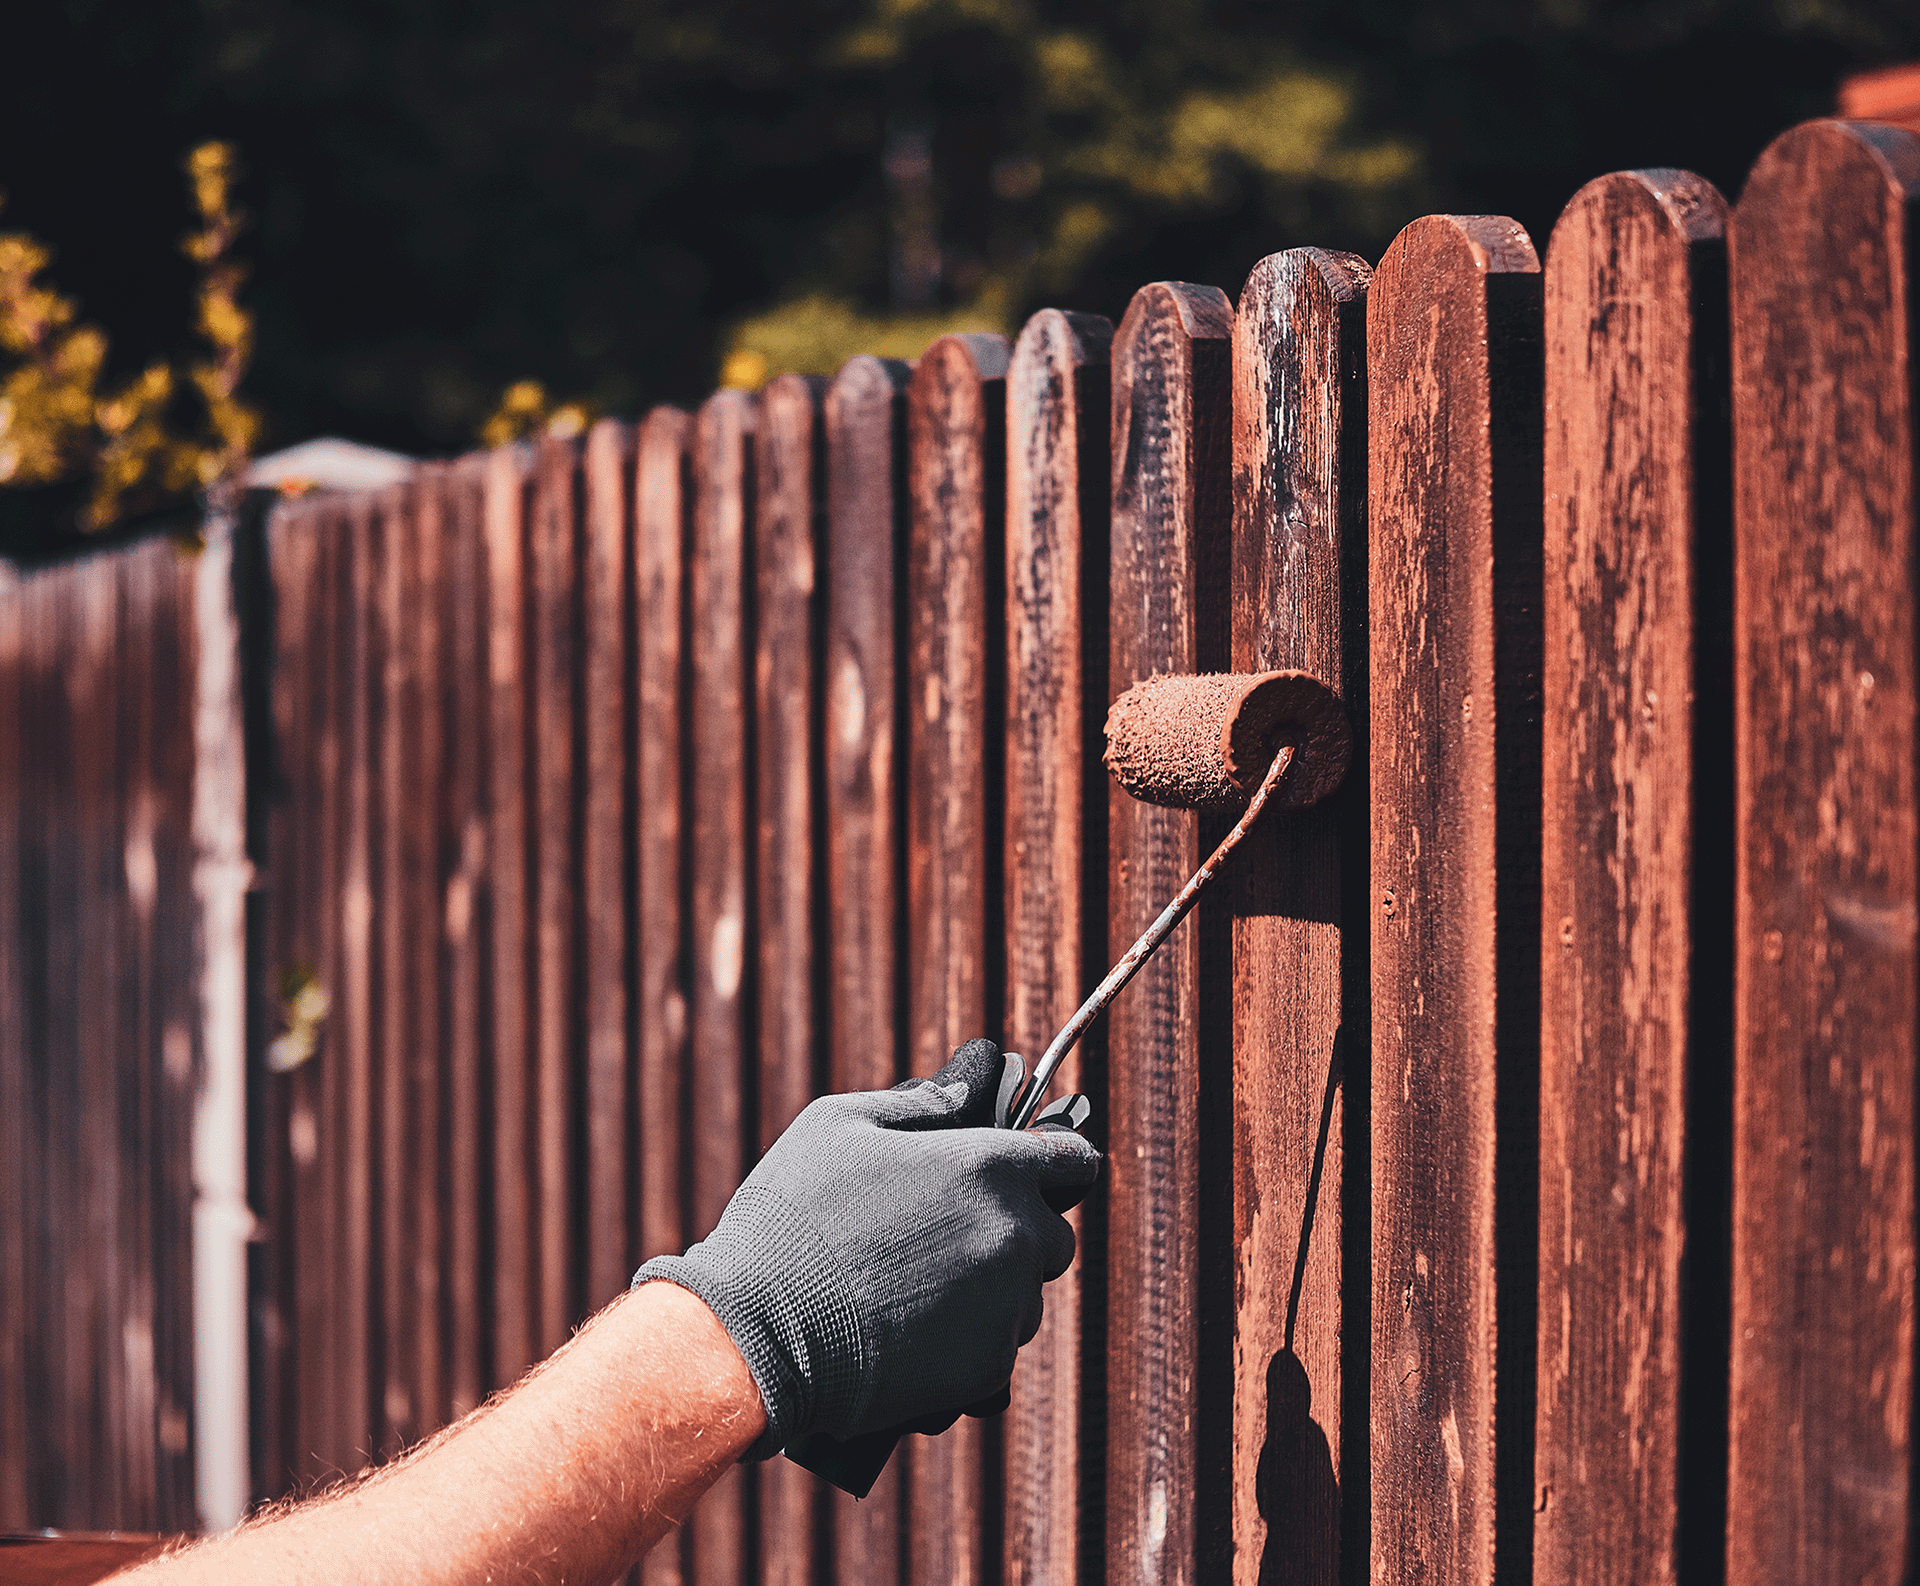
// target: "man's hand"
[[883, 1263]]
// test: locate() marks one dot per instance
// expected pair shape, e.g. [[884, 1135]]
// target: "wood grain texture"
[[866, 512], [405, 795], [144, 716], [429, 1092], [299, 683], [662, 518], [1453, 372], [1299, 941], [607, 873], [361, 982], [956, 489], [16, 1134], [1053, 848], [1636, 480], [789, 877], [329, 1446], [555, 561], [467, 707], [1821, 1467], [720, 747], [1168, 571], [172, 657], [512, 972]]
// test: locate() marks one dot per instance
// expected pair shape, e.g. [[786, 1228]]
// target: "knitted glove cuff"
[[799, 1335]]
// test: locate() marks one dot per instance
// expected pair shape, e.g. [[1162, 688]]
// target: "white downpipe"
[[221, 877]]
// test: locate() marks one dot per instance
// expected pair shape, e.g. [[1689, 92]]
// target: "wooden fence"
[[1510, 1173]]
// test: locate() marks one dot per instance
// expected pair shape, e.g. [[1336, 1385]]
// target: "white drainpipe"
[[221, 877]]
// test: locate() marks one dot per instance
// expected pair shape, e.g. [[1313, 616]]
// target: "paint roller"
[[1218, 742], [1224, 741]]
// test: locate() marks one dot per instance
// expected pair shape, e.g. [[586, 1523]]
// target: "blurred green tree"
[[618, 199]]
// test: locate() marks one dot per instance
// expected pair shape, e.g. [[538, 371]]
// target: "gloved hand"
[[883, 1262]]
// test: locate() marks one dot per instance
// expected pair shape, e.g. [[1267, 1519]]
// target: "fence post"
[[720, 747], [554, 565], [1168, 577], [1058, 399], [662, 520], [1635, 907], [1454, 423], [405, 796], [462, 875], [790, 900], [608, 841], [866, 500], [1299, 941], [956, 458], [1821, 1464], [510, 863]]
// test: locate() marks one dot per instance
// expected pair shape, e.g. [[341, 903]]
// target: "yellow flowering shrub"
[[59, 422]]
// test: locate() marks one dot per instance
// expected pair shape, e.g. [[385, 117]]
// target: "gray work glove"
[[883, 1262]]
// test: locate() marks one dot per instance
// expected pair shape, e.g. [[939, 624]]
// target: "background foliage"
[[618, 199]]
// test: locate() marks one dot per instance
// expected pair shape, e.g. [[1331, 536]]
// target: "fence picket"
[[662, 517], [290, 876], [1171, 419], [1058, 402], [1821, 1465], [720, 747], [956, 492], [1636, 511], [1453, 374], [554, 564], [512, 972], [405, 795], [610, 1173], [466, 693], [789, 898], [1299, 948], [359, 901], [865, 421], [17, 1330]]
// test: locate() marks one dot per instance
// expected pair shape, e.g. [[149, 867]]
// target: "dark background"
[[449, 195]]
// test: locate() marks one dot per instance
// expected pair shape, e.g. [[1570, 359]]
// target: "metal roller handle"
[[1030, 1098]]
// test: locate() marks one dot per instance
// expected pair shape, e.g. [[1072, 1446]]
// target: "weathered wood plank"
[[956, 491], [720, 745], [1168, 577], [1055, 899], [428, 1124], [554, 560], [404, 791], [466, 694], [41, 726], [512, 917], [1637, 497], [174, 656], [16, 1133], [662, 508], [1453, 374], [1821, 1464], [330, 1448], [296, 834], [96, 1260], [1299, 937], [136, 713], [866, 533], [355, 901], [611, 1171], [790, 898]]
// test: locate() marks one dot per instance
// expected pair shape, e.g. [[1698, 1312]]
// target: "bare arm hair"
[[570, 1476]]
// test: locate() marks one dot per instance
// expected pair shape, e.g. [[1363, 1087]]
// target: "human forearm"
[[570, 1477]]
